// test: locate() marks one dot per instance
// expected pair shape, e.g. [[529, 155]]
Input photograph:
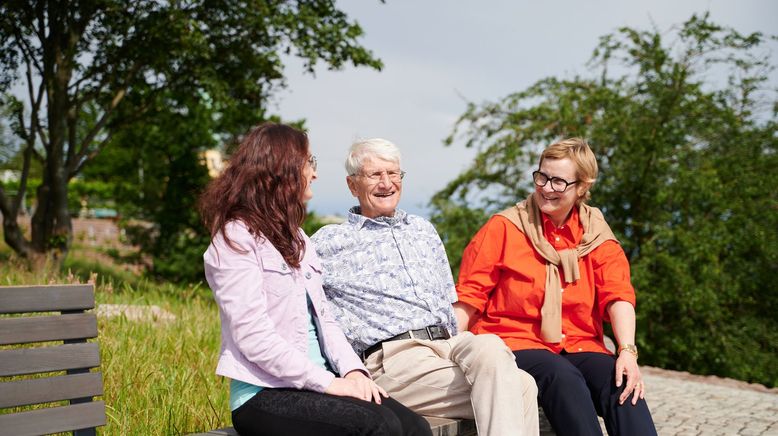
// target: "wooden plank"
[[451, 427], [47, 328], [439, 427], [47, 359], [226, 431], [19, 299], [53, 419], [49, 389]]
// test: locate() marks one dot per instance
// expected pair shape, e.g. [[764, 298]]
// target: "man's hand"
[[356, 385], [464, 315]]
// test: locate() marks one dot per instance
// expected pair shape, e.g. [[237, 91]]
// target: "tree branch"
[[76, 162], [29, 52]]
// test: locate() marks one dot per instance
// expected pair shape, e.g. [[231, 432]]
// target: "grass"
[[159, 376]]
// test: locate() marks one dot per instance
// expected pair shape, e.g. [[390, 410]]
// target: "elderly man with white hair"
[[388, 278]]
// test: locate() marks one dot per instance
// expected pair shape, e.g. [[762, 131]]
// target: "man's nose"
[[385, 180]]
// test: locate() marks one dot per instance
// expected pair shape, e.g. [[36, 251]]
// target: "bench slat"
[[47, 328], [54, 419], [59, 358], [439, 427], [19, 299], [50, 389]]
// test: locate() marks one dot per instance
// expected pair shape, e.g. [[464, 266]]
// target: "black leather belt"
[[429, 333]]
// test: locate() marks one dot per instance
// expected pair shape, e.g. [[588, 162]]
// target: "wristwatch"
[[629, 348]]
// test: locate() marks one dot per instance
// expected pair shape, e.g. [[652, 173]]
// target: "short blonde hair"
[[578, 151]]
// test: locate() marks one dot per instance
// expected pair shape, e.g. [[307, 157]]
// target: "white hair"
[[370, 148]]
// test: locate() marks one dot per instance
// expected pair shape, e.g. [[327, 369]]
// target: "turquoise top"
[[240, 392]]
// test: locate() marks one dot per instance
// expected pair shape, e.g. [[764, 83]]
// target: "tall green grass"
[[159, 376]]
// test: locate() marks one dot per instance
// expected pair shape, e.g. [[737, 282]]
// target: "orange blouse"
[[503, 278]]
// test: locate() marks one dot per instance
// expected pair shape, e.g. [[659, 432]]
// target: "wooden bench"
[[440, 427], [32, 375], [444, 426]]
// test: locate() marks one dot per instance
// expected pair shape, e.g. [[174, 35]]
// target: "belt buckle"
[[429, 332]]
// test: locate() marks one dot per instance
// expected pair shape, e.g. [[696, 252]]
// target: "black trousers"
[[297, 412], [574, 388]]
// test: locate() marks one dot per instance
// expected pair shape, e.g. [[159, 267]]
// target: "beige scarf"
[[527, 217]]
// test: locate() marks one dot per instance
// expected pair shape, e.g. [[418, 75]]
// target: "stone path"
[[686, 404]]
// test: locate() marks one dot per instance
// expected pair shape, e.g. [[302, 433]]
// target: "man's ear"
[[352, 186]]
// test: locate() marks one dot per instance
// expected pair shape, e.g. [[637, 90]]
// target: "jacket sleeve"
[[236, 279]]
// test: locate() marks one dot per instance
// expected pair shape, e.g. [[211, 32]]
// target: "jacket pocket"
[[278, 276]]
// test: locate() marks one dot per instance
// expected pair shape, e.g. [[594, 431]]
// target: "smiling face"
[[376, 197], [557, 205]]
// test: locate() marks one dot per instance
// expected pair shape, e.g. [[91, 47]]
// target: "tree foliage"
[[93, 71], [684, 128]]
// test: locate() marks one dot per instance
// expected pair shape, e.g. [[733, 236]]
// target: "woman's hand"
[[627, 365], [357, 385]]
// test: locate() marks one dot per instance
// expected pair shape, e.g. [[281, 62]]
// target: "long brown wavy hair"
[[263, 187]]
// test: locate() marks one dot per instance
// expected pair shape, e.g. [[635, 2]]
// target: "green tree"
[[687, 163], [92, 70]]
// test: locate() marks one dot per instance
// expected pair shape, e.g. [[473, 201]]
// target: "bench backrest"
[[35, 345]]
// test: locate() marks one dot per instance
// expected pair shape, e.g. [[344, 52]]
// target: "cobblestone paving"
[[683, 404]]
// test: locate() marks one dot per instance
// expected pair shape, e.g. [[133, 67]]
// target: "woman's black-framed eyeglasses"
[[558, 184]]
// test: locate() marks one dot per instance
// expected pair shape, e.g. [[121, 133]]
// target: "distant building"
[[9, 176], [214, 162], [331, 219]]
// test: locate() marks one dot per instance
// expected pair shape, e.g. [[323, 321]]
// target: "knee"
[[419, 427], [567, 380], [528, 384], [490, 347], [397, 420], [387, 424]]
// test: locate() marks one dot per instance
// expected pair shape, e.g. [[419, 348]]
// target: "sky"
[[439, 55]]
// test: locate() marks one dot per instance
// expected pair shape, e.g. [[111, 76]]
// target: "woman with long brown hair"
[[291, 369]]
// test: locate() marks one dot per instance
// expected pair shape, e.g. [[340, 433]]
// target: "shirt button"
[[557, 239], [307, 275], [563, 335], [563, 290], [580, 349]]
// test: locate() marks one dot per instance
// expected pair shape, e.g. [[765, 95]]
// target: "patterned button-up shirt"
[[385, 276]]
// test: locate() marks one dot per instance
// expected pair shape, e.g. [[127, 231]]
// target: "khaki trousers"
[[467, 376]]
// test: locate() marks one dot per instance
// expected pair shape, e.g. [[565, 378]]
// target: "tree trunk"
[[14, 237]]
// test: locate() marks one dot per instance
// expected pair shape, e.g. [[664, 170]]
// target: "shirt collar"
[[571, 225], [358, 220]]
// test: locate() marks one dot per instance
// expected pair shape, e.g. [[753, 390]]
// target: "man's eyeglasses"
[[313, 162], [375, 177], [558, 184]]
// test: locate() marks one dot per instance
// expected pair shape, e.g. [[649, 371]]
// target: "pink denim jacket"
[[264, 315]]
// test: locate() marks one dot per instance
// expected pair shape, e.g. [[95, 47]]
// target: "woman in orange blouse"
[[544, 275]]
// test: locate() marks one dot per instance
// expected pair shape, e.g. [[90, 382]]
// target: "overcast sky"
[[438, 55]]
